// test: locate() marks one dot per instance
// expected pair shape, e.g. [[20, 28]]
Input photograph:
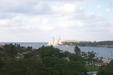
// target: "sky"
[[43, 20]]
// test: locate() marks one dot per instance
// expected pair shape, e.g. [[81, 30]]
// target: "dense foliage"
[[108, 70], [17, 60]]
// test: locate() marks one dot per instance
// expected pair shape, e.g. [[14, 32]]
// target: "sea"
[[100, 51]]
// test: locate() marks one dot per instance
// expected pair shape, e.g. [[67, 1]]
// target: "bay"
[[100, 51]]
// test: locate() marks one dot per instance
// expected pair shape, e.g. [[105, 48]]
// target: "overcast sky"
[[41, 20]]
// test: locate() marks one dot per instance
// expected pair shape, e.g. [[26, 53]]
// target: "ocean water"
[[100, 51], [34, 45]]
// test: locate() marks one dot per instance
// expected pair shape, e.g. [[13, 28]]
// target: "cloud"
[[32, 20], [4, 22], [64, 8], [99, 6], [108, 10], [14, 5]]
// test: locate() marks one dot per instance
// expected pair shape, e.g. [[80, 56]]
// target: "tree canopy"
[[17, 60]]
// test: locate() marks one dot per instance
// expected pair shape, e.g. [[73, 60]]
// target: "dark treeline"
[[89, 43], [17, 60]]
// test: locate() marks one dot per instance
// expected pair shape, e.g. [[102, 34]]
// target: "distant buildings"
[[60, 42]]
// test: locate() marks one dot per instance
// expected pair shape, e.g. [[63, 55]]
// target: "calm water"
[[100, 51]]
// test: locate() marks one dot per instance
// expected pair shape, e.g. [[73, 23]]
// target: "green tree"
[[43, 61], [108, 70], [30, 66], [77, 50], [91, 56], [59, 66], [49, 51]]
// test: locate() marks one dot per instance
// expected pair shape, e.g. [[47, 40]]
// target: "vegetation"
[[108, 70], [92, 68], [17, 60], [77, 51]]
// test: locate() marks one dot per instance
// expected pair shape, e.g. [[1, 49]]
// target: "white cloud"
[[46, 28], [108, 10], [65, 8], [70, 19], [4, 22], [99, 6]]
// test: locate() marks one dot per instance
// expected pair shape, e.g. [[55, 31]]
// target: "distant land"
[[108, 44]]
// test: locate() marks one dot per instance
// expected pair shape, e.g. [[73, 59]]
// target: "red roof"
[[2, 46]]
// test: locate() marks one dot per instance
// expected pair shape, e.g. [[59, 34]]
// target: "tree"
[[59, 66], [30, 66], [17, 60], [49, 51], [10, 51], [108, 70], [77, 50], [91, 56]]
